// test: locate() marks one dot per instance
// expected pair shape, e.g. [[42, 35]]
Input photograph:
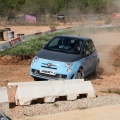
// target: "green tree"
[[97, 6], [59, 5], [10, 7], [83, 5]]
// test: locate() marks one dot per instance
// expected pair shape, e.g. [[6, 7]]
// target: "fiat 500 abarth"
[[65, 57]]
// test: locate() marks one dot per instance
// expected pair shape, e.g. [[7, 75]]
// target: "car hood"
[[58, 56]]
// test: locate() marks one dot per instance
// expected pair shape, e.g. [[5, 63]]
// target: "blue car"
[[65, 57]]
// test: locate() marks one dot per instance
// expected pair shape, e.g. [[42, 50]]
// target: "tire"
[[97, 68], [80, 74], [36, 79]]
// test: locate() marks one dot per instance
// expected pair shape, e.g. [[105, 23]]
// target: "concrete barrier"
[[15, 41], [50, 90], [5, 45], [4, 102]]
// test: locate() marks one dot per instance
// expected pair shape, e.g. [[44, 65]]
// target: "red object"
[[14, 41], [38, 33], [117, 15], [68, 27], [53, 30]]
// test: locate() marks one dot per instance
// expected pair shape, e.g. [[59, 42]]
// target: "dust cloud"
[[105, 42]]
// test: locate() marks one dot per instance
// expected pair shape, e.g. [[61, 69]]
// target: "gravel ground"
[[60, 106]]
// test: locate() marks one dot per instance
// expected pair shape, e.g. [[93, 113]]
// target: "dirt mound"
[[15, 60]]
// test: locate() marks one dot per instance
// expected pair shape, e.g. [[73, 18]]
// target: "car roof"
[[78, 37]]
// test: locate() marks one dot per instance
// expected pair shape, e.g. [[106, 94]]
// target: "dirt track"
[[16, 70]]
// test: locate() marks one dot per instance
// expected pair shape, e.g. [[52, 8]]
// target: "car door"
[[93, 56], [85, 58], [90, 57]]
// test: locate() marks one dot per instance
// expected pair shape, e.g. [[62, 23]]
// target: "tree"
[[59, 5], [10, 7], [97, 6]]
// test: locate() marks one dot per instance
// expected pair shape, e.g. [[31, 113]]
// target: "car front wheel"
[[36, 79], [80, 74]]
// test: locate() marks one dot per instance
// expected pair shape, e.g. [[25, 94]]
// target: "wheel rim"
[[79, 74]]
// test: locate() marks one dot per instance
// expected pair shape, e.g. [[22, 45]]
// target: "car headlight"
[[68, 64], [36, 58], [69, 70]]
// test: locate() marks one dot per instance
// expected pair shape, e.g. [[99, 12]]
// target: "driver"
[[76, 48], [64, 45]]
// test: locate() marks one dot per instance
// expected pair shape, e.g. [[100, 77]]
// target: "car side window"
[[92, 47], [88, 48]]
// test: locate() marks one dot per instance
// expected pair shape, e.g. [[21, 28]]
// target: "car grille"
[[45, 65], [48, 76]]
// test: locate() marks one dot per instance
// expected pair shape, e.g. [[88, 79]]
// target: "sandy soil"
[[17, 70], [101, 113]]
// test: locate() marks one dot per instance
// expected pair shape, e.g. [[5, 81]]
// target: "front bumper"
[[36, 73]]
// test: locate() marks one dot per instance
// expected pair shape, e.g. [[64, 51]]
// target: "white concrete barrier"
[[50, 90], [5, 45], [4, 102]]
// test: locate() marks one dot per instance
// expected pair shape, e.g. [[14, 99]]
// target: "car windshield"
[[69, 45]]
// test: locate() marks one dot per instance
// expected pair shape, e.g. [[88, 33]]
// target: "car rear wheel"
[[97, 68], [80, 74]]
